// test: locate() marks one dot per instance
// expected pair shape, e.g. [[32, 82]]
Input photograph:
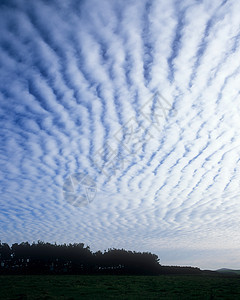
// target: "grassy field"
[[119, 287]]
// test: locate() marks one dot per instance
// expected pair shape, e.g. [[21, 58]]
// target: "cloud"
[[82, 89]]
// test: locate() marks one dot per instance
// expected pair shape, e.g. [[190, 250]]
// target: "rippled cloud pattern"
[[141, 98]]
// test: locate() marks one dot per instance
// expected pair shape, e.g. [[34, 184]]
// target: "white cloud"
[[73, 75]]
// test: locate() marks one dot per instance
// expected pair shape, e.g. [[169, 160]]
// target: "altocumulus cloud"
[[143, 96]]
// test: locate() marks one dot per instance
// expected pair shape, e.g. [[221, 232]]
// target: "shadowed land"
[[50, 271], [119, 287]]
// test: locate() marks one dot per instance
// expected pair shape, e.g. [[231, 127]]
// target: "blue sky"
[[136, 103]]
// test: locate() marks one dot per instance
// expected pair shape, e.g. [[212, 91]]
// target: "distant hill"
[[228, 271]]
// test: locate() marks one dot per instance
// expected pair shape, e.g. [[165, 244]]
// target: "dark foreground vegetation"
[[119, 287], [46, 258], [50, 271]]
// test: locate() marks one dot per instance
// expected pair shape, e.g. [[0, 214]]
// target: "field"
[[119, 287]]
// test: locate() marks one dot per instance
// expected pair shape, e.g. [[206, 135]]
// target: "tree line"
[[47, 258]]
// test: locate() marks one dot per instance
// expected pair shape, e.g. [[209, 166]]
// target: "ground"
[[119, 287]]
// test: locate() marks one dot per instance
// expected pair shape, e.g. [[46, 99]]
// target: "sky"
[[120, 126]]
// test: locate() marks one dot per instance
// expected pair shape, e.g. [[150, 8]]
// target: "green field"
[[119, 287]]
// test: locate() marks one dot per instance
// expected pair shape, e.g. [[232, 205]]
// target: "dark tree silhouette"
[[5, 251], [47, 258]]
